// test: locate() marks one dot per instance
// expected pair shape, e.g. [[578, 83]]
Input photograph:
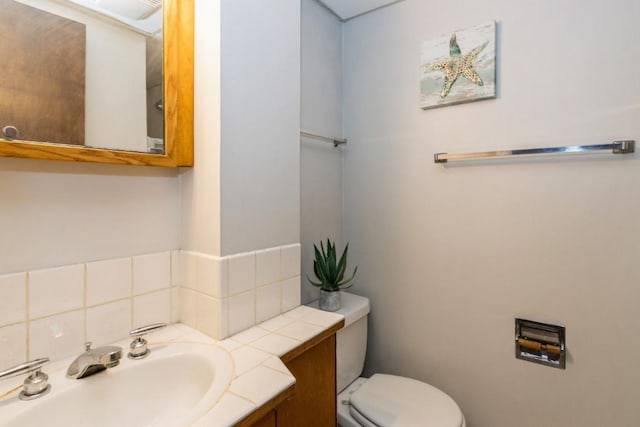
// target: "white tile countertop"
[[259, 374]]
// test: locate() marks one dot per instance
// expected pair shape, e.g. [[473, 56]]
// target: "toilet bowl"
[[382, 400], [390, 400]]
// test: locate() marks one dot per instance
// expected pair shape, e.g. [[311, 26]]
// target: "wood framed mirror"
[[177, 106]]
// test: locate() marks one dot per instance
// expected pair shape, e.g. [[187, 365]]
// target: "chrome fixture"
[[335, 141], [540, 343], [616, 147], [36, 384], [138, 347], [94, 360]]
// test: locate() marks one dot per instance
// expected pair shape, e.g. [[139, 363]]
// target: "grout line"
[[21, 322], [255, 288], [196, 290], [239, 395], [131, 291], [27, 320], [228, 315], [276, 370], [84, 300], [108, 302], [171, 286], [48, 316], [281, 289]]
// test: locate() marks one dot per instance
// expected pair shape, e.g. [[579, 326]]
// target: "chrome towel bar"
[[617, 147], [335, 141]]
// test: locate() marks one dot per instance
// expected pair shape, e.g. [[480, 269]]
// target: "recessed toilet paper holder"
[[541, 343]]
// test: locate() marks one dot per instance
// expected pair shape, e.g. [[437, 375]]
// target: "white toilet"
[[382, 400]]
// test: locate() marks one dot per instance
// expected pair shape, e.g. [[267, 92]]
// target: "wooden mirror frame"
[[178, 106]]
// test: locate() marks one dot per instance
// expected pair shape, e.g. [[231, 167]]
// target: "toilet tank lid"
[[354, 308]]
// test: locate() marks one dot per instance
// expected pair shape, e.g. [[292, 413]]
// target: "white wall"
[[241, 200], [321, 112], [451, 255], [59, 213], [243, 192], [200, 185], [260, 121]]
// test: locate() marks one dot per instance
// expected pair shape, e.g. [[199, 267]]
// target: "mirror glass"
[[83, 73]]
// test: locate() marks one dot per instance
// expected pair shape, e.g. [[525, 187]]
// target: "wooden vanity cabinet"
[[312, 401], [269, 420]]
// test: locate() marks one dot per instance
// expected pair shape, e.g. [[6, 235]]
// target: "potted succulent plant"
[[329, 270]]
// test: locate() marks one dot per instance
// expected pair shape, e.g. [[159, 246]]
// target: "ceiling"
[[347, 9]]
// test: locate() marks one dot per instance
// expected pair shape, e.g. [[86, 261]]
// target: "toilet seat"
[[389, 400]]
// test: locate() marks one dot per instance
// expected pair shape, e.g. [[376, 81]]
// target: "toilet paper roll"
[[535, 345]]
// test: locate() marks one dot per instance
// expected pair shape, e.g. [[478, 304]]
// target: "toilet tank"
[[351, 341]]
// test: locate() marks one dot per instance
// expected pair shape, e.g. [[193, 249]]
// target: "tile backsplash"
[[221, 296], [52, 312]]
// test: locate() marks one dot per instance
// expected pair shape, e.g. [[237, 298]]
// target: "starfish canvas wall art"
[[459, 67]]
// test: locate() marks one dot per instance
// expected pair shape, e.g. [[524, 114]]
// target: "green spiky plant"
[[329, 270]]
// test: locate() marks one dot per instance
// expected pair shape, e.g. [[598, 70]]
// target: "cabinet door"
[[268, 420], [314, 401]]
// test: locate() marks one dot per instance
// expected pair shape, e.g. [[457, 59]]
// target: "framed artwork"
[[459, 67]]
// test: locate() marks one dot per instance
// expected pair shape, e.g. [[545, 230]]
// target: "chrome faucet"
[[36, 384], [94, 360], [138, 348]]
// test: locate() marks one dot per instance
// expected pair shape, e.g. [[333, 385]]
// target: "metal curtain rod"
[[335, 141], [617, 147]]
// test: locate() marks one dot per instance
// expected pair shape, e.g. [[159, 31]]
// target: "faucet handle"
[[146, 329], [138, 347], [36, 384]]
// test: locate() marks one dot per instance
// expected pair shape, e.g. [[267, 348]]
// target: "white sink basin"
[[174, 386]]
